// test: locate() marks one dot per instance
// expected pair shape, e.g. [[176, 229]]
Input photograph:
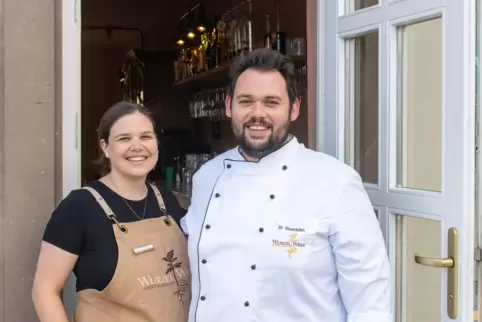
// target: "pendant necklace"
[[135, 213]]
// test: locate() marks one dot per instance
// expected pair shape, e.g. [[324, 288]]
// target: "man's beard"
[[256, 151]]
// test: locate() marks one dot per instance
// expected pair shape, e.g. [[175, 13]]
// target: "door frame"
[[71, 115], [320, 75], [328, 120], [71, 95]]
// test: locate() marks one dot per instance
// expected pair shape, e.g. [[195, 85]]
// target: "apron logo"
[[292, 244], [174, 267], [175, 274]]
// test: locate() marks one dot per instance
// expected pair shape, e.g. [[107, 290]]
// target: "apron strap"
[[109, 213], [160, 201], [159, 198]]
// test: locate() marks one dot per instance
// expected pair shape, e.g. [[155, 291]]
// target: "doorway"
[[97, 40], [108, 35]]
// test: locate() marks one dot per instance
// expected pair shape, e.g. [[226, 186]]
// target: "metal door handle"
[[434, 262], [451, 262]]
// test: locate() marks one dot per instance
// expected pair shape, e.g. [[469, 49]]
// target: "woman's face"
[[132, 146]]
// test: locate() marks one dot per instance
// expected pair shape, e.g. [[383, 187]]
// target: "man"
[[278, 232]]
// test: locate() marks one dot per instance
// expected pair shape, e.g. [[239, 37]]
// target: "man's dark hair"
[[265, 59]]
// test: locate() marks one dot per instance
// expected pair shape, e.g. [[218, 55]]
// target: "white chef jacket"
[[291, 238]]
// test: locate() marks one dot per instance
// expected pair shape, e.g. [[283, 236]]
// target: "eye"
[[147, 137], [245, 102], [124, 138], [271, 103]]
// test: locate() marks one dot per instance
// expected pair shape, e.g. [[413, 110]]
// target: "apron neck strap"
[[158, 195], [109, 213]]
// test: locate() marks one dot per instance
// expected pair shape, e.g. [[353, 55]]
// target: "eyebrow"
[[269, 97], [244, 96], [127, 134]]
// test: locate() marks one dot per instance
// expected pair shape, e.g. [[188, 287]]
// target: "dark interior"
[[150, 29]]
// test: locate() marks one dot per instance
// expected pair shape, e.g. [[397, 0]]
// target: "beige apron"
[[152, 280]]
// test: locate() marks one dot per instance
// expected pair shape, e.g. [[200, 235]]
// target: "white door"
[[71, 170], [399, 106]]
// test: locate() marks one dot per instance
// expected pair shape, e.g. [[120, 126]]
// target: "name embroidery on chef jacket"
[[291, 243]]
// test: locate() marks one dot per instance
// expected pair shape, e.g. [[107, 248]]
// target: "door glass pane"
[[418, 288], [361, 121], [420, 106], [354, 5]]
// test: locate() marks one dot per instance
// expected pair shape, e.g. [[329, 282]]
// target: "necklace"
[[135, 213]]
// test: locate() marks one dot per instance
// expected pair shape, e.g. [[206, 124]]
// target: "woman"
[[118, 235]]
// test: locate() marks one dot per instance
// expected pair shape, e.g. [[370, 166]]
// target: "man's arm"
[[360, 256]]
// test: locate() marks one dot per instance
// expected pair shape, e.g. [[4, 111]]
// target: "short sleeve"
[[65, 228]]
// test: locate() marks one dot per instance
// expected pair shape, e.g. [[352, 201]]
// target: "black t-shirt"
[[80, 226]]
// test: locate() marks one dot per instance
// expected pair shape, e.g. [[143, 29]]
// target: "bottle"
[[280, 41], [203, 53], [221, 28], [240, 28], [231, 34], [215, 50], [248, 29], [209, 49], [227, 36], [267, 35], [237, 30]]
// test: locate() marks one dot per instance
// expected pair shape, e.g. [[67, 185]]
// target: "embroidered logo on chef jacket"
[[175, 274], [291, 243]]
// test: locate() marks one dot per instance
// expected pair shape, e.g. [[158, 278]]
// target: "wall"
[[28, 146]]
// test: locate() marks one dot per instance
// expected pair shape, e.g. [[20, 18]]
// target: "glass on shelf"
[[208, 104]]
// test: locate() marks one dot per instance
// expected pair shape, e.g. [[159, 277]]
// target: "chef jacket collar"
[[275, 161]]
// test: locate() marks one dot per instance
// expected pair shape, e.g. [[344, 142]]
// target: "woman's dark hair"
[[265, 59], [112, 115]]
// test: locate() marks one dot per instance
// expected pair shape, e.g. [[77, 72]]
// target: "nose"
[[258, 109], [136, 144]]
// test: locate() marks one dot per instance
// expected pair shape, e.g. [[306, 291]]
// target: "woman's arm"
[[53, 268]]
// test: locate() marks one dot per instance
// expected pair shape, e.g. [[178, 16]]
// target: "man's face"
[[260, 112]]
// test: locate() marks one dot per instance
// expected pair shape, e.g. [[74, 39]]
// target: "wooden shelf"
[[217, 76], [298, 58]]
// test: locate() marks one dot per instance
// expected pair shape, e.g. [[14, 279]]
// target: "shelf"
[[217, 76], [214, 76], [296, 59]]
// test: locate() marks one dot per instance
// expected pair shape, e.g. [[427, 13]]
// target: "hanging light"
[[189, 25], [199, 17], [181, 30]]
